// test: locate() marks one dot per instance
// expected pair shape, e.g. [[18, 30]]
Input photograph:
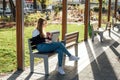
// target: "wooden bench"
[[100, 31], [70, 39]]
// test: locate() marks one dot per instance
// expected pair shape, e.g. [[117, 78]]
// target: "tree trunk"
[[4, 7], [43, 5], [35, 5], [12, 7]]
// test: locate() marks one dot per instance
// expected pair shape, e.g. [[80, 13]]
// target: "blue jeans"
[[58, 47]]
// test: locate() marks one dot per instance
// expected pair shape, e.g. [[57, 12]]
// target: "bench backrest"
[[71, 38], [31, 45], [95, 27]]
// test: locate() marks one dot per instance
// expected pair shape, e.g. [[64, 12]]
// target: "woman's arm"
[[37, 40]]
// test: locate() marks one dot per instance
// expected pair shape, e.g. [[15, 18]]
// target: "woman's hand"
[[49, 35], [48, 41]]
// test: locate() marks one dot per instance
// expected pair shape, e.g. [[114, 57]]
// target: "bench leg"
[[46, 65], [32, 63], [101, 36], [119, 28], [76, 50], [64, 58], [93, 36], [109, 32], [113, 27]]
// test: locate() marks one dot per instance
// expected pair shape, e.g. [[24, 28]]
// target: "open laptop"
[[55, 35]]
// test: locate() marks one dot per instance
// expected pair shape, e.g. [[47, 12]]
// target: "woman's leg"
[[62, 47], [60, 57], [60, 61], [47, 47], [52, 47]]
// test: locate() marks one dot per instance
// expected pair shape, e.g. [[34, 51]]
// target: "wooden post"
[[115, 8], [100, 13], [20, 34], [64, 18], [109, 8], [86, 19]]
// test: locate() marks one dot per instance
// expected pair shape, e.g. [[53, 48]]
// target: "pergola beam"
[[86, 19], [115, 8], [64, 18], [100, 13], [20, 34], [109, 9]]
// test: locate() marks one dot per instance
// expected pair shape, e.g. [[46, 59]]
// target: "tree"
[[13, 10], [4, 7], [44, 3], [34, 5]]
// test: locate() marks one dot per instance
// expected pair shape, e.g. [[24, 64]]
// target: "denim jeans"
[[58, 47]]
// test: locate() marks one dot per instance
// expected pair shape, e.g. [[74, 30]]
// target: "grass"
[[8, 58], [7, 50]]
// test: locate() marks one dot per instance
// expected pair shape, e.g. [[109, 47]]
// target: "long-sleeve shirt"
[[36, 39]]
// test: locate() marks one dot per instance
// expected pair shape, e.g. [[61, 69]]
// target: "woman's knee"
[[57, 43], [60, 43]]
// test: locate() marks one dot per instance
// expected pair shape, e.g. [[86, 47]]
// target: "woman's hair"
[[40, 24]]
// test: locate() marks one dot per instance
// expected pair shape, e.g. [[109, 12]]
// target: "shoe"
[[73, 58], [61, 71]]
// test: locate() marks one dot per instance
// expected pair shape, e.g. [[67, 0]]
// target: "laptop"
[[55, 35]]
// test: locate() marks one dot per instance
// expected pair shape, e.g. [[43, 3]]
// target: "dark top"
[[37, 40]]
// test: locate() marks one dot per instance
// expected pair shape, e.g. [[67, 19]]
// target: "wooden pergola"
[[20, 25]]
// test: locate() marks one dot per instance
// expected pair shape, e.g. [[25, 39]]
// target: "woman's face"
[[44, 23]]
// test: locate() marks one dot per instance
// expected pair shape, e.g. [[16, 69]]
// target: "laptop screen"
[[55, 35]]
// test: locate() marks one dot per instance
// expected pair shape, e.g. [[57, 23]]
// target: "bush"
[[5, 18], [96, 9], [31, 19]]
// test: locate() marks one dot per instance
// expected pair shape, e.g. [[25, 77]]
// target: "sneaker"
[[73, 58], [61, 71]]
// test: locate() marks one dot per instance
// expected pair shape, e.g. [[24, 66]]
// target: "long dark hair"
[[40, 24]]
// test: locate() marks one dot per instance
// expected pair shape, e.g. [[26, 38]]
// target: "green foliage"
[[96, 9], [104, 10], [76, 27], [31, 19], [45, 3], [90, 30], [57, 9], [7, 50], [3, 18]]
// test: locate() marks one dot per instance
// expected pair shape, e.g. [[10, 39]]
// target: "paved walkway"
[[98, 61]]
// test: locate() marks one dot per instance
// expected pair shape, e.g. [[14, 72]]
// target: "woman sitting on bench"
[[44, 44]]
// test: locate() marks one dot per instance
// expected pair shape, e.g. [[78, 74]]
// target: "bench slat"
[[71, 38]]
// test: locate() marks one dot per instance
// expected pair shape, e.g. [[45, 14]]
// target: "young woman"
[[44, 44]]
